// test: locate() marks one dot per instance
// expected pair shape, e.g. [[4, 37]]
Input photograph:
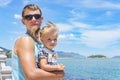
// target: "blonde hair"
[[50, 27]]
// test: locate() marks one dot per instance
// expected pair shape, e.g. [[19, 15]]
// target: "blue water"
[[90, 69]]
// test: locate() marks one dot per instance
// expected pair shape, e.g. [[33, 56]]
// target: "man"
[[24, 56]]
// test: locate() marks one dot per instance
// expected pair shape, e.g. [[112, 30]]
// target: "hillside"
[[69, 54], [97, 56], [116, 57], [4, 49], [7, 51], [61, 54]]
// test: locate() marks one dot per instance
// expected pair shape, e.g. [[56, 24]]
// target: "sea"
[[89, 69]]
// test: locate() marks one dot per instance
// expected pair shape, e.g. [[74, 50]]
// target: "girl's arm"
[[47, 67]]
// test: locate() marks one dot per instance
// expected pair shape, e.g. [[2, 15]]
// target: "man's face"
[[33, 21]]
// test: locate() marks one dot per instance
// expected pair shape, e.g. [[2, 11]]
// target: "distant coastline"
[[64, 55], [97, 56]]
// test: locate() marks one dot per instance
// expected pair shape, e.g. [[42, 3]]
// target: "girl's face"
[[50, 40]]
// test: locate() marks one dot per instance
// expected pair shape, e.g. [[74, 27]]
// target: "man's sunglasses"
[[29, 17]]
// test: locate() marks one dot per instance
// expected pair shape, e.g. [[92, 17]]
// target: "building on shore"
[[5, 71]]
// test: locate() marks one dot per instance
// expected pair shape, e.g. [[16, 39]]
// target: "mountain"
[[116, 57], [61, 54], [7, 52], [4, 49], [97, 56], [69, 55]]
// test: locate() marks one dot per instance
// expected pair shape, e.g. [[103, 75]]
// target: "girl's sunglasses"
[[29, 17]]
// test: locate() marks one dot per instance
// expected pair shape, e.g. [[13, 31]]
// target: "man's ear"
[[22, 20], [41, 19]]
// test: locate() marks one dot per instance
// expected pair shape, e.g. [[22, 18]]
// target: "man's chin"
[[35, 27]]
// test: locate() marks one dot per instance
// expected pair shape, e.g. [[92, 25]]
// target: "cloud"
[[64, 27], [17, 16], [80, 24], [94, 36], [108, 13], [77, 14], [104, 4], [14, 23], [16, 32], [4, 2], [100, 39], [26, 1], [33, 1], [67, 36], [93, 4]]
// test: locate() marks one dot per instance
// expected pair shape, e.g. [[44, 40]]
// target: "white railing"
[[5, 71]]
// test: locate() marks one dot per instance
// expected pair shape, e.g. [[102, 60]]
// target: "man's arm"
[[25, 50]]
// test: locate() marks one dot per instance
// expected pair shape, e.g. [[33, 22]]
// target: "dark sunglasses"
[[29, 17]]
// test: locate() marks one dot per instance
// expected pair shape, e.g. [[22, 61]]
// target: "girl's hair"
[[50, 27], [32, 7]]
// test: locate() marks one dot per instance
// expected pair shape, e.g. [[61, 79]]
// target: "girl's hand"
[[60, 67]]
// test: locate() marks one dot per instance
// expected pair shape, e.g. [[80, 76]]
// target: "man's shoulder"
[[23, 42], [24, 39]]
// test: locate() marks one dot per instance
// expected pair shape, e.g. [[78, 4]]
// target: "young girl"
[[47, 56]]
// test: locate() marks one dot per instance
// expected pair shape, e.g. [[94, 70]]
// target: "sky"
[[86, 27]]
